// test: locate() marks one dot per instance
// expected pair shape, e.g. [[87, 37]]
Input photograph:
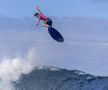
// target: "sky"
[[59, 8], [83, 23]]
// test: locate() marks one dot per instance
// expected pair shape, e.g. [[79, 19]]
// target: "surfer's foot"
[[46, 25]]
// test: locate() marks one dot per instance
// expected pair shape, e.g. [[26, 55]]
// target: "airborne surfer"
[[41, 17], [47, 22]]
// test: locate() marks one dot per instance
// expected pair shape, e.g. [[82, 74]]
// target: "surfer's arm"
[[38, 10], [38, 22]]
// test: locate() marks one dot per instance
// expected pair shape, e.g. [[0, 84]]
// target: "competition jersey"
[[42, 17]]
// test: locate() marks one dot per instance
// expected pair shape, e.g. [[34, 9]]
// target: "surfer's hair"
[[36, 14]]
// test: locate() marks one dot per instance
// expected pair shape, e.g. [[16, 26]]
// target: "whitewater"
[[12, 68]]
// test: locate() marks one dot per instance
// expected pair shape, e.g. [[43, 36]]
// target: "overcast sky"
[[85, 30]]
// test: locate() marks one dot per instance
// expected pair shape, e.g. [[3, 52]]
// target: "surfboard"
[[55, 34]]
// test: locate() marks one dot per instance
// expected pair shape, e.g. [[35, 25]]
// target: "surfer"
[[41, 17]]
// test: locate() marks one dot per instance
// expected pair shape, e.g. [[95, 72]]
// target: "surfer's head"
[[36, 15]]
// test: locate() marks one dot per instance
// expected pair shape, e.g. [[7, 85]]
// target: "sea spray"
[[12, 68]]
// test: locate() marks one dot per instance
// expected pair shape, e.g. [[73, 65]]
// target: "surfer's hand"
[[37, 7], [36, 24]]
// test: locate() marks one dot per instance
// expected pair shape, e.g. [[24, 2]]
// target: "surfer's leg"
[[46, 25], [48, 22]]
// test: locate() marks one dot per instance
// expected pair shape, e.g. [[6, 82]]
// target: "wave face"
[[50, 78]]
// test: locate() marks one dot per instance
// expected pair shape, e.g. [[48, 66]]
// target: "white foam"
[[12, 68]]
